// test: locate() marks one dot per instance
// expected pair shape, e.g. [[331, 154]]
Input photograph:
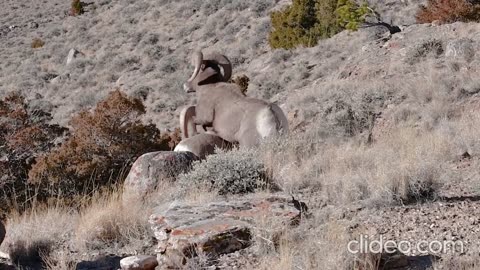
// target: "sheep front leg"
[[204, 115]]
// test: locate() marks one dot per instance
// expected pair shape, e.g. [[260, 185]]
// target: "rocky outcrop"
[[140, 262], [153, 167], [217, 228]]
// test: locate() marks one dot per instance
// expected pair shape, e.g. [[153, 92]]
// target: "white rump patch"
[[266, 123], [4, 255], [182, 148]]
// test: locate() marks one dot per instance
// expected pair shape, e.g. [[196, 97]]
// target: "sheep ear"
[[208, 75]]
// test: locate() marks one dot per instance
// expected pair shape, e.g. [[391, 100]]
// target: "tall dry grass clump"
[[32, 236], [310, 246], [56, 235], [403, 167], [108, 222]]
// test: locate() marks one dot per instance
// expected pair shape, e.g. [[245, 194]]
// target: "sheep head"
[[212, 68]]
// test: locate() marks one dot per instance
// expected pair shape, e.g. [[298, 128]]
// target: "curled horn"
[[222, 62], [197, 59], [187, 126]]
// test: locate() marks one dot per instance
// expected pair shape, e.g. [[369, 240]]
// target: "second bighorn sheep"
[[233, 116], [200, 144]]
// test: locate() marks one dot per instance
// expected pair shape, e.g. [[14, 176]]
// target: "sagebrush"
[[448, 11], [233, 172], [25, 133], [37, 43], [242, 81], [103, 144], [77, 8], [306, 21]]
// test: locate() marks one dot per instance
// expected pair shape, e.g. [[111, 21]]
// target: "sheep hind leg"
[[249, 139]]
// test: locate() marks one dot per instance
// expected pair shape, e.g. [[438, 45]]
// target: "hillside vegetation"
[[384, 127]]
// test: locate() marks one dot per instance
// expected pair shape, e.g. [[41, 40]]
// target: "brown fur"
[[232, 115], [223, 106], [200, 144], [203, 144]]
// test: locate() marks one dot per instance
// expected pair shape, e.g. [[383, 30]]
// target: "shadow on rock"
[[6, 267], [399, 261], [102, 263]]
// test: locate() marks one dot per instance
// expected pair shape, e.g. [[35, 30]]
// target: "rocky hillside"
[[143, 48], [384, 138]]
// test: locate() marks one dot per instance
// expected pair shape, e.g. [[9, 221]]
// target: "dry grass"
[[322, 247], [150, 60], [459, 263], [407, 163], [37, 43], [33, 235], [57, 236], [107, 221], [59, 260], [336, 87], [405, 166], [399, 167]]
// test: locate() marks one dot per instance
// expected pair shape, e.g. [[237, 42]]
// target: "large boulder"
[[151, 168], [186, 230]]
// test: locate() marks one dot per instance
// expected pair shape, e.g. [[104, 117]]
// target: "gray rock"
[[151, 168], [217, 228], [49, 76], [72, 54], [32, 25], [60, 78], [140, 262]]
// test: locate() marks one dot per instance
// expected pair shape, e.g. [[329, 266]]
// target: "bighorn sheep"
[[200, 144], [221, 71], [215, 68], [233, 116]]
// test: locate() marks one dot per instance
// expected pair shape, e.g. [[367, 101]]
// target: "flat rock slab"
[[140, 262], [151, 168], [185, 230]]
